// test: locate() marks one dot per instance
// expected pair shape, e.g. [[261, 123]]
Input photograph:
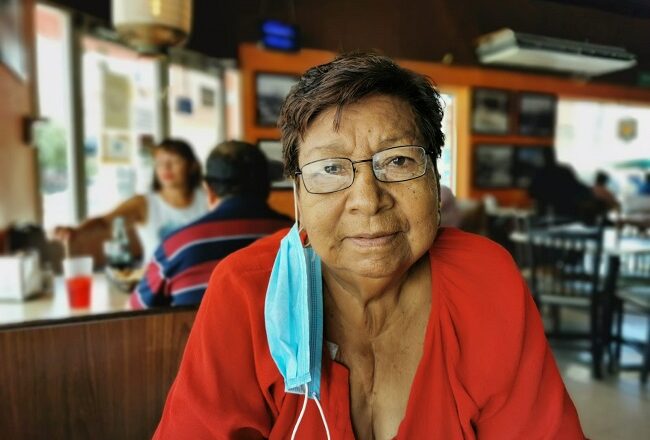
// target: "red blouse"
[[486, 370]]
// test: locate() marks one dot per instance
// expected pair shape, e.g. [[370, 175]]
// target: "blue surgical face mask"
[[293, 314]]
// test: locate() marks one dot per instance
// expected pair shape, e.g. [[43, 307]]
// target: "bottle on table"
[[118, 248]]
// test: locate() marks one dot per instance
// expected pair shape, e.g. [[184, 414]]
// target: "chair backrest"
[[635, 268], [565, 261]]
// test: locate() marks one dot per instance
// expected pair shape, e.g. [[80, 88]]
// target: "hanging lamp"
[[152, 26]]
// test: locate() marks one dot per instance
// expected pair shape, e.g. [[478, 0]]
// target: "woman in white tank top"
[[176, 199]]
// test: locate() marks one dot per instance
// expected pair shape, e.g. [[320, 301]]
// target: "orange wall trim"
[[456, 80]]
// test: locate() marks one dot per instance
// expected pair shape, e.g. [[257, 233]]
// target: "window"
[[53, 135], [447, 161], [611, 136]]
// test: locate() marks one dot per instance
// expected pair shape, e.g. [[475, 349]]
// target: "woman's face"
[[372, 229], [171, 169]]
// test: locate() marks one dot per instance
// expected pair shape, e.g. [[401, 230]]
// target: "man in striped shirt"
[[237, 186]]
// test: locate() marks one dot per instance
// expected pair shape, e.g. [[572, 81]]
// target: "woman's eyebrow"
[[393, 140]]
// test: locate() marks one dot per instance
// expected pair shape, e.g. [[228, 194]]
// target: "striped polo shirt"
[[181, 266]]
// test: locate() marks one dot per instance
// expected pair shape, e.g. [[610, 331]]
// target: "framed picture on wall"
[[116, 148], [494, 166], [528, 161], [490, 111], [536, 114], [273, 151], [270, 91]]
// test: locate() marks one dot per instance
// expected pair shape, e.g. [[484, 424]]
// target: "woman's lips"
[[372, 240]]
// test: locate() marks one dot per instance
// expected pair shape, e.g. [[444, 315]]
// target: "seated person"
[[365, 320], [603, 193], [237, 186], [557, 192], [175, 199]]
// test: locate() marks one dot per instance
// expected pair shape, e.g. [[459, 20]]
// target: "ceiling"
[[417, 29]]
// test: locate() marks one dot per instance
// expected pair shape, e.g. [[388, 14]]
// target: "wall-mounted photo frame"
[[536, 113], [273, 150], [116, 148], [493, 166], [270, 91], [529, 160], [491, 111]]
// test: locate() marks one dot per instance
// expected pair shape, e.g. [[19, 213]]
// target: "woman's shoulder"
[[483, 309], [458, 247], [480, 282]]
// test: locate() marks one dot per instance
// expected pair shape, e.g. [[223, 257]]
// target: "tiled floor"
[[617, 408]]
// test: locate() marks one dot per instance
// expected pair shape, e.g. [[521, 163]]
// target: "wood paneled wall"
[[105, 379], [19, 195], [454, 79]]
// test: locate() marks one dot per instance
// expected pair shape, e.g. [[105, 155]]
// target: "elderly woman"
[[366, 320]]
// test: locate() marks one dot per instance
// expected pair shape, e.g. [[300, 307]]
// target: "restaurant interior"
[[547, 152]]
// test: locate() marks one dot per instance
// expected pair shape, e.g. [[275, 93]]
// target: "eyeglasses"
[[396, 164]]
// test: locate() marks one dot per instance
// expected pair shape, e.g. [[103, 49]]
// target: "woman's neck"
[[370, 305], [176, 197]]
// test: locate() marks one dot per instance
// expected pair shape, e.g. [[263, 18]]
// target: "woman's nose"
[[366, 194]]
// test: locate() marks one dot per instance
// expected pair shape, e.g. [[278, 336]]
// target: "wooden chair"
[[564, 269]]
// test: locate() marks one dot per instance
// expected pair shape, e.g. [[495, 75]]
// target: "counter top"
[[53, 307]]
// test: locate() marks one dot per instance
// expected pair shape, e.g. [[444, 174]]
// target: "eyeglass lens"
[[395, 164]]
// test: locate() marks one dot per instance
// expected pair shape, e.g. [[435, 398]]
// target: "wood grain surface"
[[104, 379]]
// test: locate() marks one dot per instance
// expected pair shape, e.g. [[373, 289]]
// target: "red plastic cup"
[[78, 281], [79, 291]]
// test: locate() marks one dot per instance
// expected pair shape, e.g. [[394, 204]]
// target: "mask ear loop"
[[302, 413], [295, 211]]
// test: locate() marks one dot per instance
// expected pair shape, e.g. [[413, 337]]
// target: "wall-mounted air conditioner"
[[534, 51]]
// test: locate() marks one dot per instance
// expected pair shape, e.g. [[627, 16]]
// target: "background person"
[[237, 186], [372, 324], [559, 194], [175, 199], [603, 193]]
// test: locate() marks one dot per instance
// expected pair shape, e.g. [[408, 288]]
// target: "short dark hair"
[[346, 80], [237, 168], [182, 149]]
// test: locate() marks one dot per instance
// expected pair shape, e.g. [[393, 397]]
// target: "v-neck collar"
[[336, 399]]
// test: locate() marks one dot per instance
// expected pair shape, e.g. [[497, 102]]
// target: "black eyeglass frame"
[[428, 153]]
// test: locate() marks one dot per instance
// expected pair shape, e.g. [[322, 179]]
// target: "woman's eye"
[[332, 169], [399, 160]]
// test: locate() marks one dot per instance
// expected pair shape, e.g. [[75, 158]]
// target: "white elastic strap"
[[322, 416], [302, 413], [295, 204]]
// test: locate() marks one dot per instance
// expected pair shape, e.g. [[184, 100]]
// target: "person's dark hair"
[[182, 149], [601, 178], [237, 168], [348, 79]]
